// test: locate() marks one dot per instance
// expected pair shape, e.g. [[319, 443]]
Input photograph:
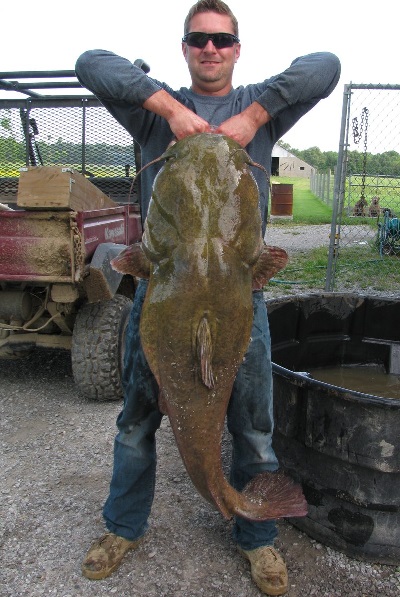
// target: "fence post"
[[328, 198], [338, 192]]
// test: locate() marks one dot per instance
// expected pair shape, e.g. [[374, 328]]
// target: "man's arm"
[[113, 78], [308, 79], [286, 97], [121, 87], [291, 94]]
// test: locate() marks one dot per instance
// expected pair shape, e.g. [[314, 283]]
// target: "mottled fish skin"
[[203, 240]]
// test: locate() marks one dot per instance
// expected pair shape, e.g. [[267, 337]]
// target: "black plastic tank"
[[342, 445]]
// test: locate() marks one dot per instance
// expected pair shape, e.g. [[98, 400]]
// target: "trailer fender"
[[102, 281]]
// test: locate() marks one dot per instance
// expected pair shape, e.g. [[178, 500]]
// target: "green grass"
[[381, 274], [305, 269], [364, 271]]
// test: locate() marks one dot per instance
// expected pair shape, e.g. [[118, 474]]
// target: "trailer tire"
[[98, 346]]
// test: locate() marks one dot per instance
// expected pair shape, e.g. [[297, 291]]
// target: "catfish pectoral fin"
[[282, 497], [270, 262], [132, 260]]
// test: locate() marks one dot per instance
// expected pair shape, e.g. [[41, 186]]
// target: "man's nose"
[[209, 47]]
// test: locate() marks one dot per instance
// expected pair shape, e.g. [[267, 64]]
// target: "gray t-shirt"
[[122, 88]]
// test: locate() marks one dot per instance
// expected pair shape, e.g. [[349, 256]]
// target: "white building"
[[285, 163]]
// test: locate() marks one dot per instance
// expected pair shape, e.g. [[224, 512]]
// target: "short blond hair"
[[211, 6]]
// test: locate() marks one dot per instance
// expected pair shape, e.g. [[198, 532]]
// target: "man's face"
[[211, 69]]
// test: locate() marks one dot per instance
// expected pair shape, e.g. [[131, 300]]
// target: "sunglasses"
[[197, 39]]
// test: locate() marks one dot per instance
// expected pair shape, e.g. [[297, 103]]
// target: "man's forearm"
[[257, 115], [163, 104]]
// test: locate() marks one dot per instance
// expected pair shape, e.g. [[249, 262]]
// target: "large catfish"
[[203, 252]]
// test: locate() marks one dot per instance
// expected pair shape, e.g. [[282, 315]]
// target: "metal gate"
[[365, 229]]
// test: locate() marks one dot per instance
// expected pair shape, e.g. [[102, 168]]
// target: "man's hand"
[[183, 122], [244, 126]]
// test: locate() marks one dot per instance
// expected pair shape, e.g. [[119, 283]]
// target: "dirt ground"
[[56, 459]]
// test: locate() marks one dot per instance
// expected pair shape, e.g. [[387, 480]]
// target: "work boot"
[[268, 569], [105, 555]]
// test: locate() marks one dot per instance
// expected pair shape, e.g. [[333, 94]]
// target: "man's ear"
[[184, 50], [237, 52]]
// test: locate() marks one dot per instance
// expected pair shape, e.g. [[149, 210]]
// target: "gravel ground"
[[296, 238], [56, 459]]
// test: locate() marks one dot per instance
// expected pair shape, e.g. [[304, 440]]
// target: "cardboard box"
[[52, 187]]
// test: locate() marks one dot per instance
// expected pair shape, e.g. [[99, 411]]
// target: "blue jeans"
[[249, 420]]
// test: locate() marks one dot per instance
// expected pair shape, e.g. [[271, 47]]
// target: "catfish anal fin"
[[204, 352]]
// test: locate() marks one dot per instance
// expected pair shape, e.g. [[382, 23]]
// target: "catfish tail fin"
[[280, 494]]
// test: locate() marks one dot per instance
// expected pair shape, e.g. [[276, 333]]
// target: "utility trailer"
[[68, 204]]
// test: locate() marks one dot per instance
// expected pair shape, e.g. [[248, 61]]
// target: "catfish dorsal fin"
[[204, 352]]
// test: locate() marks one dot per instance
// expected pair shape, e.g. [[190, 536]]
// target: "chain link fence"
[[365, 230], [322, 184]]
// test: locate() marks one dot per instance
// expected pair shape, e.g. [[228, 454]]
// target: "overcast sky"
[[48, 36]]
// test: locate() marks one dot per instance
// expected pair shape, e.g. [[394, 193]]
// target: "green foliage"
[[11, 152], [314, 157], [5, 123]]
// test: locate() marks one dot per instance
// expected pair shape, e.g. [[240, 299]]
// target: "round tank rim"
[[302, 380]]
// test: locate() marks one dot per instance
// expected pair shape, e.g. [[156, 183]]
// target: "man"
[[256, 116]]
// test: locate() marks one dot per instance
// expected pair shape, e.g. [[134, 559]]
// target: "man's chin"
[[210, 76]]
